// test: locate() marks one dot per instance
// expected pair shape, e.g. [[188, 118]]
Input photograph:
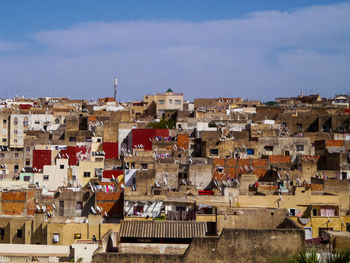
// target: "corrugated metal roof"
[[162, 229]]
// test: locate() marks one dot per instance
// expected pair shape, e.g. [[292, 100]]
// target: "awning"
[[162, 229]]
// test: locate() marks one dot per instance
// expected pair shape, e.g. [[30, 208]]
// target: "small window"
[[214, 152], [86, 174], [27, 162], [300, 148], [292, 212], [15, 140], [19, 233], [177, 102], [299, 127], [45, 177], [314, 212], [15, 131], [161, 102], [55, 238], [28, 149], [2, 155], [99, 140], [3, 139], [72, 139], [37, 122], [77, 236], [74, 177], [144, 165], [62, 166], [284, 124], [79, 206], [4, 121], [2, 233], [16, 168], [61, 204], [268, 148], [250, 151], [57, 121], [16, 155], [170, 101], [347, 228]]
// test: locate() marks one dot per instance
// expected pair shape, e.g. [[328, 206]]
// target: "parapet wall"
[[233, 245]]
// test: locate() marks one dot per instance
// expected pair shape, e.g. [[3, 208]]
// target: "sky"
[[204, 48]]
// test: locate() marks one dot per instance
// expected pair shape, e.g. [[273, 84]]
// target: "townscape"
[[169, 180]]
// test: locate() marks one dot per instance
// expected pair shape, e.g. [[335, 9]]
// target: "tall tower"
[[115, 83]]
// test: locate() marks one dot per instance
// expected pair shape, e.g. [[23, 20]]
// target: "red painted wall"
[[41, 158], [143, 136], [111, 150], [108, 173], [71, 151]]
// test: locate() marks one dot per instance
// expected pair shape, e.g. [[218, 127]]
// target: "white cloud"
[[262, 55]]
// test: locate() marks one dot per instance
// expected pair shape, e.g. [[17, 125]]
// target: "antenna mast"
[[115, 83]]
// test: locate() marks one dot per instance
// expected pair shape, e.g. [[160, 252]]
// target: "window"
[[37, 122], [286, 153], [61, 204], [347, 228], [15, 121], [300, 148], [62, 166], [284, 124], [19, 233], [314, 212], [15, 140], [74, 177], [28, 149], [26, 178], [27, 162], [57, 121], [99, 140], [45, 177], [16, 155], [2, 155], [79, 205], [2, 233], [250, 151], [299, 127], [55, 238], [214, 152], [161, 102], [170, 101], [177, 102], [72, 139], [268, 148], [144, 165], [4, 121], [3, 139], [77, 236], [16, 167], [292, 212], [15, 131], [344, 175], [86, 174]]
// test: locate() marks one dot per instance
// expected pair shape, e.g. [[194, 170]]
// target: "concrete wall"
[[245, 245], [233, 245]]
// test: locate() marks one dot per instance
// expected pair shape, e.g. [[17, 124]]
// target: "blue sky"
[[251, 49]]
